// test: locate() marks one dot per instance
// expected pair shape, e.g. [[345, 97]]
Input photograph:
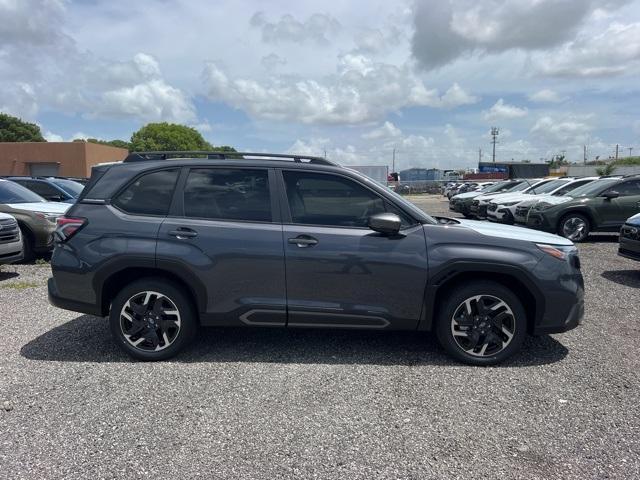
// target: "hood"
[[554, 200], [512, 197], [44, 207], [461, 196], [635, 220], [5, 216], [515, 233]]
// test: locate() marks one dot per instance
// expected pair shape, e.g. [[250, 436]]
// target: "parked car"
[[36, 217], [479, 205], [462, 202], [163, 246], [630, 238], [502, 209], [10, 240], [602, 205], [52, 189], [556, 197]]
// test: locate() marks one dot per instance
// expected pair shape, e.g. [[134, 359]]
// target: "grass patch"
[[20, 285], [42, 261]]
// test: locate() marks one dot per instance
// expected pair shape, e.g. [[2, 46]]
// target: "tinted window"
[[41, 188], [11, 192], [627, 189], [318, 199], [72, 188], [150, 194], [594, 188], [571, 187], [228, 194]]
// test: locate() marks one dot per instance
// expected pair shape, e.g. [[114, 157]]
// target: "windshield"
[[72, 188], [519, 187], [550, 186], [496, 187], [13, 193], [594, 187]]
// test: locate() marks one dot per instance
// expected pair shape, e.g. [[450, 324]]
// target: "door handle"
[[183, 233], [303, 241]]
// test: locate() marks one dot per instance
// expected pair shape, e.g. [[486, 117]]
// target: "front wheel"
[[482, 323], [152, 319], [575, 227]]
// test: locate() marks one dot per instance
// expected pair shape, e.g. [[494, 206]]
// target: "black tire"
[[186, 327], [27, 246], [517, 324], [577, 223]]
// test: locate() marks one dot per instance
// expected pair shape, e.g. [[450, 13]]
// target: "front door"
[[339, 273], [225, 227], [616, 210]]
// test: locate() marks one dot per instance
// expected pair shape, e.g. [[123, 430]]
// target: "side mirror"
[[387, 223], [55, 198], [611, 194]]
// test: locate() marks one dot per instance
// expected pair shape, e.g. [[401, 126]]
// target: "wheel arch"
[[582, 211], [117, 280], [511, 277]]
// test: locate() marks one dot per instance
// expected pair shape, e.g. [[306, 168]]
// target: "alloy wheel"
[[574, 228], [150, 321], [483, 325]]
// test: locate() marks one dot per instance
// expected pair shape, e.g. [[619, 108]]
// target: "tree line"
[[153, 136]]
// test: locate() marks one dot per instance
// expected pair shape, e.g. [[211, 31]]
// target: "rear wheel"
[[482, 323], [152, 319], [575, 227]]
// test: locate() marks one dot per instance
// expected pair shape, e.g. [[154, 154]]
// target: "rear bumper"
[[69, 304]]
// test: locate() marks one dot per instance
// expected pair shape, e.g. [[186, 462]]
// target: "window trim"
[[177, 209], [286, 210], [133, 180]]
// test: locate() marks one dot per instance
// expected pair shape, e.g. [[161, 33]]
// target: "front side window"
[[228, 194], [41, 188], [628, 189], [150, 194], [321, 199]]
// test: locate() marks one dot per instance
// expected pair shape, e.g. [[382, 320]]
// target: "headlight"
[[557, 251], [543, 206]]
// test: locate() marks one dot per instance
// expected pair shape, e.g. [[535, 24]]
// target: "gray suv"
[[162, 245]]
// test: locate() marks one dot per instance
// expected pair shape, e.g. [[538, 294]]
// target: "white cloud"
[[503, 111], [150, 101], [545, 96], [52, 137], [564, 131], [614, 51], [360, 91], [273, 61], [450, 29], [19, 99], [387, 130], [318, 28]]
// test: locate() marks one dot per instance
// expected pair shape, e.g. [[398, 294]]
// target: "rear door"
[[339, 272], [224, 229]]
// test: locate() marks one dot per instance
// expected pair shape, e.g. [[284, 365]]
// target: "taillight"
[[67, 227]]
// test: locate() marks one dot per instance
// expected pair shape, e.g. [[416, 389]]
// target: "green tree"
[[13, 129], [110, 143], [168, 136], [608, 169]]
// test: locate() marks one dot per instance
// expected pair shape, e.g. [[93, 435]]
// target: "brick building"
[[69, 159]]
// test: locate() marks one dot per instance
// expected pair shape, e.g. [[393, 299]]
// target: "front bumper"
[[479, 211], [540, 222], [629, 246]]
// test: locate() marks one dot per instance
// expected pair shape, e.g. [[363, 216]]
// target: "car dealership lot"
[[321, 404]]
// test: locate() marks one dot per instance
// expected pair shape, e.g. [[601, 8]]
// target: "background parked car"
[[10, 240], [630, 238], [479, 205], [36, 217], [52, 189], [503, 209], [602, 205], [462, 202]]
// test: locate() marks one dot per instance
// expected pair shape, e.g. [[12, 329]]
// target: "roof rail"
[[220, 155]]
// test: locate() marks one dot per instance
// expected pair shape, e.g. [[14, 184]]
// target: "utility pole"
[[617, 151], [325, 153], [479, 156], [585, 154], [495, 131], [393, 168], [630, 148]]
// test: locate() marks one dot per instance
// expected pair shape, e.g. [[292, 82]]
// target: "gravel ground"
[[320, 404]]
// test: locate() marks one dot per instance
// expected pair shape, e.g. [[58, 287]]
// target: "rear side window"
[[150, 194], [228, 194], [41, 188]]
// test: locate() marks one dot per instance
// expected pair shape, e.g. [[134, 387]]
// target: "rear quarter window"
[[149, 194]]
